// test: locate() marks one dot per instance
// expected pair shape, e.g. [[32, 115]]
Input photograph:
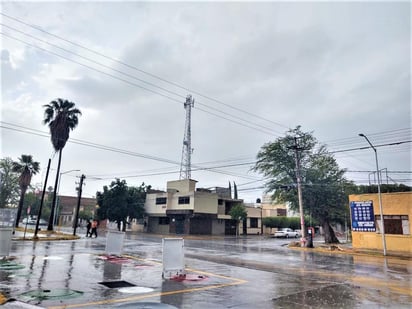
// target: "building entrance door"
[[180, 225]]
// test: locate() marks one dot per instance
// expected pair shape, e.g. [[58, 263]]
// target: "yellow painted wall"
[[392, 204]]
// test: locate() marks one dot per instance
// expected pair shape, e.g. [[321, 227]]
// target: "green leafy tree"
[[238, 213], [323, 182], [61, 116], [84, 215], [120, 203], [385, 188], [33, 201], [26, 167], [282, 222], [9, 184]]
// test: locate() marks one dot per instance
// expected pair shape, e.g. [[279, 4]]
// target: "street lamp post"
[[56, 206], [379, 194]]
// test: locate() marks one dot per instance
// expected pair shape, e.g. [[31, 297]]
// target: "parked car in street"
[[299, 232], [286, 233], [33, 220]]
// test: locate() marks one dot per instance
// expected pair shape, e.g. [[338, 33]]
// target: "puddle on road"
[[331, 296], [56, 294]]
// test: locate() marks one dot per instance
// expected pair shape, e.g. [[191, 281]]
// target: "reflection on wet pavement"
[[226, 273]]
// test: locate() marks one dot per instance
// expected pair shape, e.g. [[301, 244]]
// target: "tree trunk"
[[330, 237], [118, 225], [20, 208], [124, 226], [53, 205]]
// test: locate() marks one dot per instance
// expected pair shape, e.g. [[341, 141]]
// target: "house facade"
[[256, 212], [66, 208], [366, 221], [185, 209]]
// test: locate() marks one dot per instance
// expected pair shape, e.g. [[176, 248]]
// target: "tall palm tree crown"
[[61, 116], [26, 167]]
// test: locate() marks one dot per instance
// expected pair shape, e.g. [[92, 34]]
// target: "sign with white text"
[[363, 218]]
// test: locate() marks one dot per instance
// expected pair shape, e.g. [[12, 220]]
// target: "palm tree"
[[61, 116], [26, 167]]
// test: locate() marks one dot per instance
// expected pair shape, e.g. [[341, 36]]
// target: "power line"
[[402, 131], [367, 147], [38, 28], [23, 129], [117, 150], [131, 67], [212, 168], [245, 124]]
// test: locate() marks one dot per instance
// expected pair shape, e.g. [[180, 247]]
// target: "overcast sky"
[[254, 70]]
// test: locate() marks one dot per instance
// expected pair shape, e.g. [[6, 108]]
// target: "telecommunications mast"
[[185, 165]]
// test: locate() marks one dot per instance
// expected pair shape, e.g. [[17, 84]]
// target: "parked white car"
[[33, 221], [286, 233], [299, 232]]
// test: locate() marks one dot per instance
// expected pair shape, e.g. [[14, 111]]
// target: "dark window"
[[161, 200], [281, 212], [184, 200], [253, 222], [394, 224], [163, 220], [220, 202]]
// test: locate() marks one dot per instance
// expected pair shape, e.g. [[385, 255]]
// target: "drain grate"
[[117, 284]]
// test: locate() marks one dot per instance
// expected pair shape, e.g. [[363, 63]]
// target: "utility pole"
[[299, 183], [379, 193], [76, 217], [185, 166], [42, 201]]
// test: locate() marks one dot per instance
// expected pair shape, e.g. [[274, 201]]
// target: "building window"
[[281, 212], [253, 222], [184, 200], [394, 224], [220, 202], [163, 220], [161, 200]]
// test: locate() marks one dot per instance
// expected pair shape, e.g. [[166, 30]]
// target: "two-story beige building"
[[183, 209]]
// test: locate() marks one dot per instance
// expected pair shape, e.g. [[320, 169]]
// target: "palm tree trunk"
[[51, 218], [20, 208]]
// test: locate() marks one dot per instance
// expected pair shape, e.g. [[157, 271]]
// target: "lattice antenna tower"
[[185, 166]]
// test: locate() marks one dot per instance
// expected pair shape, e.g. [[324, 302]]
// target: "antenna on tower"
[[185, 166]]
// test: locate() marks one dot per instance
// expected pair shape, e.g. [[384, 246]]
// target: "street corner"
[[50, 280]]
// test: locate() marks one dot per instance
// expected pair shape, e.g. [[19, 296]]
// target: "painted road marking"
[[234, 281]]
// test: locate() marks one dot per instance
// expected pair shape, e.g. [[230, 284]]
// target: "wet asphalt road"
[[251, 272]]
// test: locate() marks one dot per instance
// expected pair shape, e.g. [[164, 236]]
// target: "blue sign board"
[[363, 218]]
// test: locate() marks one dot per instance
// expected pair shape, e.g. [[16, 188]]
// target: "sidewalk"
[[22, 234], [343, 247], [346, 248]]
